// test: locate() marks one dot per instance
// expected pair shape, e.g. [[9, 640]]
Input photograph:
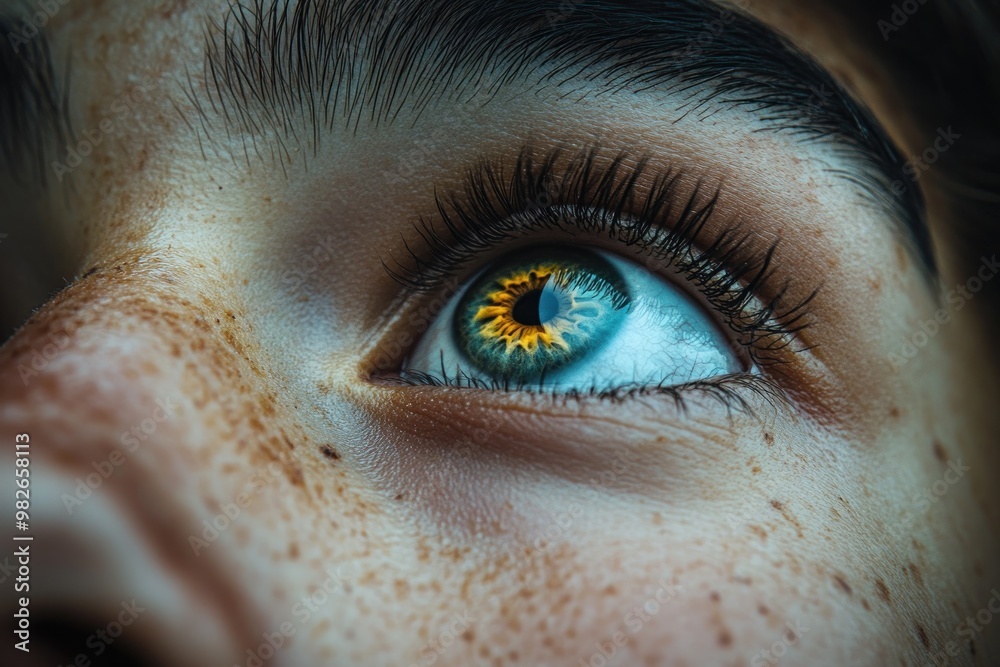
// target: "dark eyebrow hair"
[[287, 71], [34, 117]]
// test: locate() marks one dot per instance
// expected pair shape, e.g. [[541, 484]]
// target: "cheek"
[[170, 466]]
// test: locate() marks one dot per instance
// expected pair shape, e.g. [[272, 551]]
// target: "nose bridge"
[[118, 383]]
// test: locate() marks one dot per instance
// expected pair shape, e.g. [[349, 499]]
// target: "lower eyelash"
[[733, 391], [610, 200]]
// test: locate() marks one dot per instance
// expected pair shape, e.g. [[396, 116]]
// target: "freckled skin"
[[397, 526]]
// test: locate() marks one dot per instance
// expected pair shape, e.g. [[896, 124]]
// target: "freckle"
[[657, 519], [714, 596], [293, 551], [776, 504], [725, 638], [922, 634], [939, 453], [864, 603], [330, 453], [757, 530], [842, 583], [763, 610], [468, 635], [755, 469], [894, 412], [768, 438], [883, 591], [399, 496]]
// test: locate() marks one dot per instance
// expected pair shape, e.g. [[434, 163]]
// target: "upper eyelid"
[[327, 63], [666, 214], [558, 178]]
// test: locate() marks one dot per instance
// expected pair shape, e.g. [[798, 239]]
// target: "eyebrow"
[[287, 71]]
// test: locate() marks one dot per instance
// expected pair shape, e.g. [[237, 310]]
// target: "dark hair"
[[945, 57]]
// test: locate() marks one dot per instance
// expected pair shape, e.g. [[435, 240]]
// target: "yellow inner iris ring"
[[498, 320]]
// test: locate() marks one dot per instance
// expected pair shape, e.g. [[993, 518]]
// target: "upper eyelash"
[[611, 199]]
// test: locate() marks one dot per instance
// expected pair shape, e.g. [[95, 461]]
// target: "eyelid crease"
[[583, 194]]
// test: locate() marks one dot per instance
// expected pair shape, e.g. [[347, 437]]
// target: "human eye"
[[602, 277]]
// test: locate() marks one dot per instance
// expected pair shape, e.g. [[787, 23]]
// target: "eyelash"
[[495, 207]]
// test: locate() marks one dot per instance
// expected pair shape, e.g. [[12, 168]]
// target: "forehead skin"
[[763, 542]]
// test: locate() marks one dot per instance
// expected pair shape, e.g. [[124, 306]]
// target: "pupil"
[[535, 308]]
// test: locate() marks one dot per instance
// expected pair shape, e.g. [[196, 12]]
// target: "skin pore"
[[221, 353]]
